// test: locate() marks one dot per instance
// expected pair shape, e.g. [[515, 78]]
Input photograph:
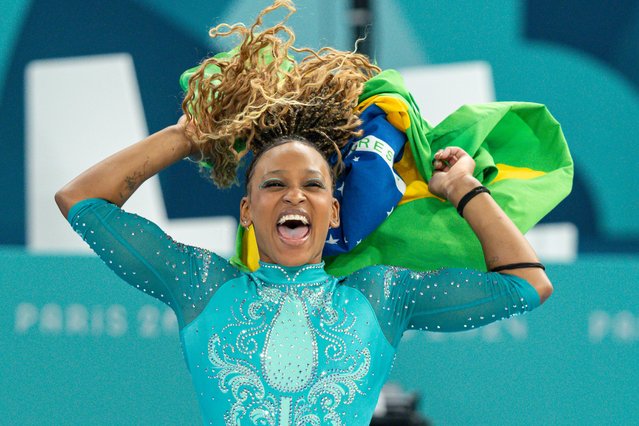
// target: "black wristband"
[[469, 196], [518, 266]]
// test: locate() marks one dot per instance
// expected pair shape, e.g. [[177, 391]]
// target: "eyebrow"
[[283, 172]]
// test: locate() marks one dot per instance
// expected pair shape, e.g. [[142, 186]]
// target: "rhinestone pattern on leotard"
[[290, 346], [289, 385]]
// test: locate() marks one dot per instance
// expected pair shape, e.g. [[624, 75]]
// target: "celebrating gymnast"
[[287, 343]]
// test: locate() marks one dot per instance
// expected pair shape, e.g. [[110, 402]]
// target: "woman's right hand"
[[187, 128]]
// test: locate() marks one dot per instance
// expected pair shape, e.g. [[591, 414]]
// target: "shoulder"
[[366, 273], [379, 277], [389, 272], [389, 279]]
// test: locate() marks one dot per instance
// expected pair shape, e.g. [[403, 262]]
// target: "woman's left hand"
[[501, 241], [452, 167]]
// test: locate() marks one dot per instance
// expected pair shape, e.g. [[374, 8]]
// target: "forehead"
[[292, 157]]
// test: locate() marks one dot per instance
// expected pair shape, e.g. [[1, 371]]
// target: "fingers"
[[441, 166], [443, 156], [449, 156], [450, 153], [444, 159]]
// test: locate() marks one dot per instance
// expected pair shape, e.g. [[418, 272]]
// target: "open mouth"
[[293, 228]]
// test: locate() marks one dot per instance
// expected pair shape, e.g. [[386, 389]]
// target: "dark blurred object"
[[397, 408], [361, 21]]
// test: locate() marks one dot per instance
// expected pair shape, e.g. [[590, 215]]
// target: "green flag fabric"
[[521, 155]]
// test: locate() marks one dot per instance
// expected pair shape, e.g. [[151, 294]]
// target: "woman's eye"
[[272, 184], [315, 184]]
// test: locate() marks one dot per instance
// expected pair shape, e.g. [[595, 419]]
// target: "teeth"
[[293, 217]]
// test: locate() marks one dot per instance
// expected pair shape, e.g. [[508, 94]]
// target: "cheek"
[[264, 210], [326, 210], [261, 202]]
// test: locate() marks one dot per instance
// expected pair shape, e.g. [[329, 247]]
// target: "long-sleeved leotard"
[[284, 345]]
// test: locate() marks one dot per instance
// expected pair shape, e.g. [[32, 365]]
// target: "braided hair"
[[263, 95]]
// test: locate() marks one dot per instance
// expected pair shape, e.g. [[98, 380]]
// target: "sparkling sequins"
[[290, 345], [150, 260], [301, 319], [289, 358], [314, 266]]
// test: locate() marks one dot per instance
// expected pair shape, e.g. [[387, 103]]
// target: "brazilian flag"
[[520, 153]]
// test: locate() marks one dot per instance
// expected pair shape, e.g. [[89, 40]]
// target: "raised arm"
[[116, 178], [138, 251], [501, 241]]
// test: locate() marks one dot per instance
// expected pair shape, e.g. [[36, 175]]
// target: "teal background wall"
[[79, 347]]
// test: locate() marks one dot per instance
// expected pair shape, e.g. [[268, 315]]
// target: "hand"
[[453, 168], [187, 128]]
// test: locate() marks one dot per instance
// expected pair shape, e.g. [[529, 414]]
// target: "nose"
[[294, 196]]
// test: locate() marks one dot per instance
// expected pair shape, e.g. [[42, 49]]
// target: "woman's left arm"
[[501, 241]]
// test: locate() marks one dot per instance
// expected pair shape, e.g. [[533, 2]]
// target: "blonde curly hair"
[[262, 94]]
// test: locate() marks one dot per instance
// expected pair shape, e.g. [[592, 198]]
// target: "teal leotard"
[[290, 345]]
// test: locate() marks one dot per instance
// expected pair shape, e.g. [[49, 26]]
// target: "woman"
[[288, 343]]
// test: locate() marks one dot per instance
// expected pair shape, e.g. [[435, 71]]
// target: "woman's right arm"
[[137, 250], [116, 177]]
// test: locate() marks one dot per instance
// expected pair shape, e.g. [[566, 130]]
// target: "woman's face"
[[290, 204]]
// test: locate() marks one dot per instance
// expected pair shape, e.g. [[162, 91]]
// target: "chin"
[[296, 257], [291, 263], [294, 260]]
